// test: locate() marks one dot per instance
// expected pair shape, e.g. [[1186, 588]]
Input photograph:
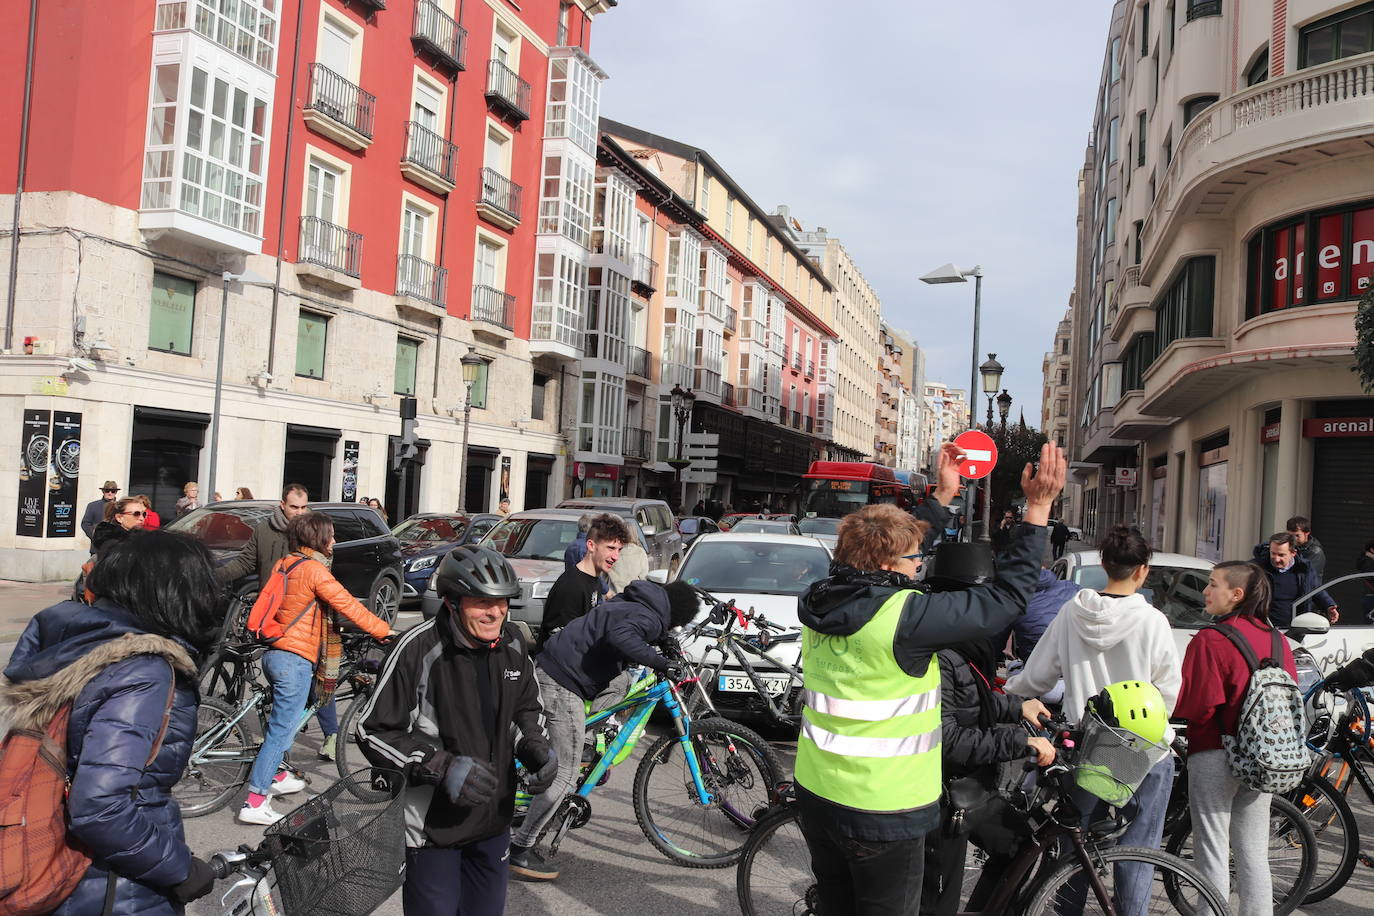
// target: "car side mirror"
[[1309, 624], [648, 530], [658, 575]]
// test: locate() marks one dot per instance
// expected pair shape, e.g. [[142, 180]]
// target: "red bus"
[[837, 488]]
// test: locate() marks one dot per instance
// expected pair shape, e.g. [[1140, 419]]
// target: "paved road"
[[608, 867]]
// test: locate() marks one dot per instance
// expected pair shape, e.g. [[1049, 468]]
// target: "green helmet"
[[1133, 706]]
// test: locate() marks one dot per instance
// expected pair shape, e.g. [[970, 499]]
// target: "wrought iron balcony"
[[810, 368], [493, 306], [645, 272], [637, 443], [430, 151], [440, 34], [341, 101], [1200, 8], [330, 246], [797, 360], [638, 361], [418, 278], [727, 395], [506, 89], [500, 192], [796, 419], [731, 318]]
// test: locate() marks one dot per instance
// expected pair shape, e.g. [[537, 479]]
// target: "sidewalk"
[[21, 600]]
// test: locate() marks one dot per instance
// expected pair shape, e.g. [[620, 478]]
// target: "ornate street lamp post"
[[991, 371], [471, 362], [683, 399]]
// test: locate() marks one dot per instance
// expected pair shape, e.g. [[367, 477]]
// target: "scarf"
[[278, 522], [330, 659]]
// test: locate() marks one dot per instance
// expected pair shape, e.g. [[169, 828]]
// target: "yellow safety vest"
[[870, 736]]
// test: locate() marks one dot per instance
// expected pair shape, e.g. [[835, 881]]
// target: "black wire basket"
[[338, 855]]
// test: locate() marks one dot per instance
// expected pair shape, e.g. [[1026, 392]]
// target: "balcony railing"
[[638, 362], [810, 368], [330, 246], [1199, 8], [796, 419], [421, 279], [438, 33], [727, 395], [797, 360], [637, 443], [810, 424], [493, 306], [645, 271], [505, 87], [500, 192], [332, 95], [430, 151], [731, 318]]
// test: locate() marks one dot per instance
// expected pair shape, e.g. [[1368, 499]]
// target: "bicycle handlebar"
[[230, 862]]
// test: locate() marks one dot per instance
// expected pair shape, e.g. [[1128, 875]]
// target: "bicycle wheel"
[[1292, 853], [1338, 835], [220, 760], [738, 769], [1177, 885], [222, 678], [348, 757], [774, 877]]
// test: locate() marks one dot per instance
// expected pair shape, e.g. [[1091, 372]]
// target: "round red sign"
[[980, 454]]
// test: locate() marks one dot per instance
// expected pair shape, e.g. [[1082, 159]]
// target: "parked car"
[[693, 526], [427, 538], [367, 557], [654, 520], [825, 530], [765, 526]]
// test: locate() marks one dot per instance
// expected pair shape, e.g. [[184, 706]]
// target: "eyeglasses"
[[138, 514], [913, 556], [109, 491]]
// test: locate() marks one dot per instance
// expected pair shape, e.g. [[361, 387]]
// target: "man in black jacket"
[[1309, 548], [450, 699], [1291, 577], [579, 662]]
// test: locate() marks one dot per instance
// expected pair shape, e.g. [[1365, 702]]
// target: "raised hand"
[[1043, 486]]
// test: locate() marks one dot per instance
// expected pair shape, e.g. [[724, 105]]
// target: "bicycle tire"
[[206, 787], [740, 770], [348, 758], [1186, 889], [222, 679], [1292, 878], [1327, 812], [774, 876]]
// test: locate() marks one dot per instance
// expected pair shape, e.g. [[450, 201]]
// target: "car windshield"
[[219, 529], [763, 526], [1175, 590], [819, 525], [429, 530], [533, 538], [730, 565]]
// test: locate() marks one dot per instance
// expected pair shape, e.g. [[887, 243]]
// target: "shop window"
[[407, 360], [172, 314], [312, 333], [1321, 256], [1337, 37]]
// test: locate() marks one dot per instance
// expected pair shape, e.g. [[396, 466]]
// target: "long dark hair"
[[1249, 577], [164, 578]]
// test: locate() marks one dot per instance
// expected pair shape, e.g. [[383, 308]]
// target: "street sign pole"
[[979, 453]]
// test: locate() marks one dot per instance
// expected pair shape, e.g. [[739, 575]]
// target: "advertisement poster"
[[505, 477], [349, 492], [33, 472], [1157, 506], [1211, 515], [63, 468]]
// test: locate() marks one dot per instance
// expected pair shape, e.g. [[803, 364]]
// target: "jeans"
[[290, 677], [1230, 821], [1145, 814], [328, 717], [864, 877], [565, 720], [468, 881]]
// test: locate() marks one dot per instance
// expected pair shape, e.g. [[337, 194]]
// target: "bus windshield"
[[835, 498]]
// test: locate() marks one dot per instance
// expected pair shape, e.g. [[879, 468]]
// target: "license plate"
[[774, 684]]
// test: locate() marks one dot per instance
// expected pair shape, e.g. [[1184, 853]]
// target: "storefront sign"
[[1269, 433], [1317, 257], [1126, 477], [349, 491], [63, 469], [34, 437], [1338, 426]]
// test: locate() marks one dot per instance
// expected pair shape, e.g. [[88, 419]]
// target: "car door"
[[354, 551]]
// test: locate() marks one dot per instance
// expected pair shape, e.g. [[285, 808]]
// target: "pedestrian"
[[151, 520], [1365, 564], [574, 552], [1051, 594], [581, 587], [699, 508], [377, 507], [121, 516], [1309, 548], [127, 667], [458, 756], [1099, 639], [243, 493], [1290, 577], [301, 655], [503, 507], [1059, 537], [95, 509], [581, 661], [1230, 821], [190, 498], [869, 641], [630, 566]]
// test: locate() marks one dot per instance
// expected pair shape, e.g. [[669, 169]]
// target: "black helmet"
[[960, 565], [477, 572]]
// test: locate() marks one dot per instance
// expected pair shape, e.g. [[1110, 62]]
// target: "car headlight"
[[541, 590], [420, 563]]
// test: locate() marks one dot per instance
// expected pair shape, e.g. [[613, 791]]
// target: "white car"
[[825, 530]]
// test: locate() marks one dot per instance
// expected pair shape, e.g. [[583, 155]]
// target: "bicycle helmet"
[[959, 565], [475, 572], [1132, 706]]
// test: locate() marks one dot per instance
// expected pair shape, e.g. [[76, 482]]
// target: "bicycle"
[[777, 697], [1061, 868], [696, 791]]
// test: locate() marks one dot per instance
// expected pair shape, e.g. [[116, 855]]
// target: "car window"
[[663, 519], [480, 527], [708, 526], [1178, 593], [688, 525], [1094, 577], [347, 526], [645, 523], [374, 525], [747, 566], [533, 539], [429, 530], [819, 525], [220, 530]]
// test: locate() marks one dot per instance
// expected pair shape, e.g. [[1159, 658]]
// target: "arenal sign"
[[1338, 426]]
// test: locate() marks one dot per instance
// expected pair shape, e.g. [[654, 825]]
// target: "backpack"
[[262, 619], [1268, 752], [40, 864]]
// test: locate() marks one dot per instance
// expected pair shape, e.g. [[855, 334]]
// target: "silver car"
[[651, 523]]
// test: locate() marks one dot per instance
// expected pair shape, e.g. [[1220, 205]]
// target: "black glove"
[[470, 782], [675, 672], [200, 880], [541, 778]]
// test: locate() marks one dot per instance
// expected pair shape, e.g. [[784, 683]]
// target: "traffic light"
[[406, 448]]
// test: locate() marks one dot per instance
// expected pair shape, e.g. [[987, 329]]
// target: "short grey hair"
[[585, 522]]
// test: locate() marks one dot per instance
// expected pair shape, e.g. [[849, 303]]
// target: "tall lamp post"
[[991, 371], [951, 274], [247, 278], [1004, 408], [683, 399], [471, 363]]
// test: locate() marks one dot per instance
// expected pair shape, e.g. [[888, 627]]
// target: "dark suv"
[[367, 557]]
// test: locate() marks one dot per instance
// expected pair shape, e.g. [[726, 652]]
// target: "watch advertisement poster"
[[63, 470], [349, 492], [34, 436]]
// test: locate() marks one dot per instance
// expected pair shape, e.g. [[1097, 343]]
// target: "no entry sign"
[[980, 454]]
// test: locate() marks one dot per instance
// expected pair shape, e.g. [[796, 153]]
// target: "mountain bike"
[[1062, 867], [775, 691]]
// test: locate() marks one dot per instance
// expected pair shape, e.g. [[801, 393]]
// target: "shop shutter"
[[1343, 511]]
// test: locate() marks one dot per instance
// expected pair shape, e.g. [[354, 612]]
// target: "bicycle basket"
[[337, 855], [1112, 763]]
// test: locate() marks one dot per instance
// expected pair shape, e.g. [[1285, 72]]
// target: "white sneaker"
[[287, 785], [263, 815]]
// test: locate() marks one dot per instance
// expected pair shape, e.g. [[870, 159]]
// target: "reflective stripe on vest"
[[870, 737]]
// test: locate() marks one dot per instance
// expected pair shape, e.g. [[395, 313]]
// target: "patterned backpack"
[[1268, 752]]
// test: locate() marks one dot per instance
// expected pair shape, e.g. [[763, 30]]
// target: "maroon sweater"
[[1214, 680]]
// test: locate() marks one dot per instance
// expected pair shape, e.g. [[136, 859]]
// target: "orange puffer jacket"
[[312, 581]]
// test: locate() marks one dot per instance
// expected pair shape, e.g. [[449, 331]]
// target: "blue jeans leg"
[[328, 716], [289, 676], [1144, 814]]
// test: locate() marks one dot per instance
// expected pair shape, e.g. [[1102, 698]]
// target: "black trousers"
[[467, 881], [864, 877], [944, 877]]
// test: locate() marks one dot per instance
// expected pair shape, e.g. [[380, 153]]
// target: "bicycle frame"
[[1354, 753], [1023, 865], [254, 700], [738, 648]]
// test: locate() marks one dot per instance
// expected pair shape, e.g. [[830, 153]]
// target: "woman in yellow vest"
[[868, 759]]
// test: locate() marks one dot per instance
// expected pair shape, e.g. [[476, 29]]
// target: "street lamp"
[[1004, 408], [247, 278], [471, 363], [951, 274], [683, 399], [991, 371]]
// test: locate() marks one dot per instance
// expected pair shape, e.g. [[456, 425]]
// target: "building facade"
[[1228, 232], [1054, 397]]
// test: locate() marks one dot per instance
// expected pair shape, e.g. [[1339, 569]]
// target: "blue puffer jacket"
[[1050, 595], [119, 676]]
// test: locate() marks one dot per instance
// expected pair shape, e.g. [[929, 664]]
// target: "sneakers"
[[261, 815], [527, 863], [327, 749], [286, 783]]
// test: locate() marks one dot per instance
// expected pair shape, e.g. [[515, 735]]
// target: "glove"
[[470, 782], [200, 880], [675, 672], [540, 779]]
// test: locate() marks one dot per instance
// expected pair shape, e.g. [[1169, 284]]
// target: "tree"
[[1016, 446], [1364, 342]]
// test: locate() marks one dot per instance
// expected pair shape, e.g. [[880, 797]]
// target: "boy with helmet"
[[455, 705]]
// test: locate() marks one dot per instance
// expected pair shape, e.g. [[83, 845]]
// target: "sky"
[[918, 133]]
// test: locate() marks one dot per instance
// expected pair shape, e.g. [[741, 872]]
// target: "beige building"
[[1227, 234], [1054, 399]]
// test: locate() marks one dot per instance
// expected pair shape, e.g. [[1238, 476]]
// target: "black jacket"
[[1281, 611], [120, 809], [440, 696], [588, 653], [1315, 555], [969, 744]]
